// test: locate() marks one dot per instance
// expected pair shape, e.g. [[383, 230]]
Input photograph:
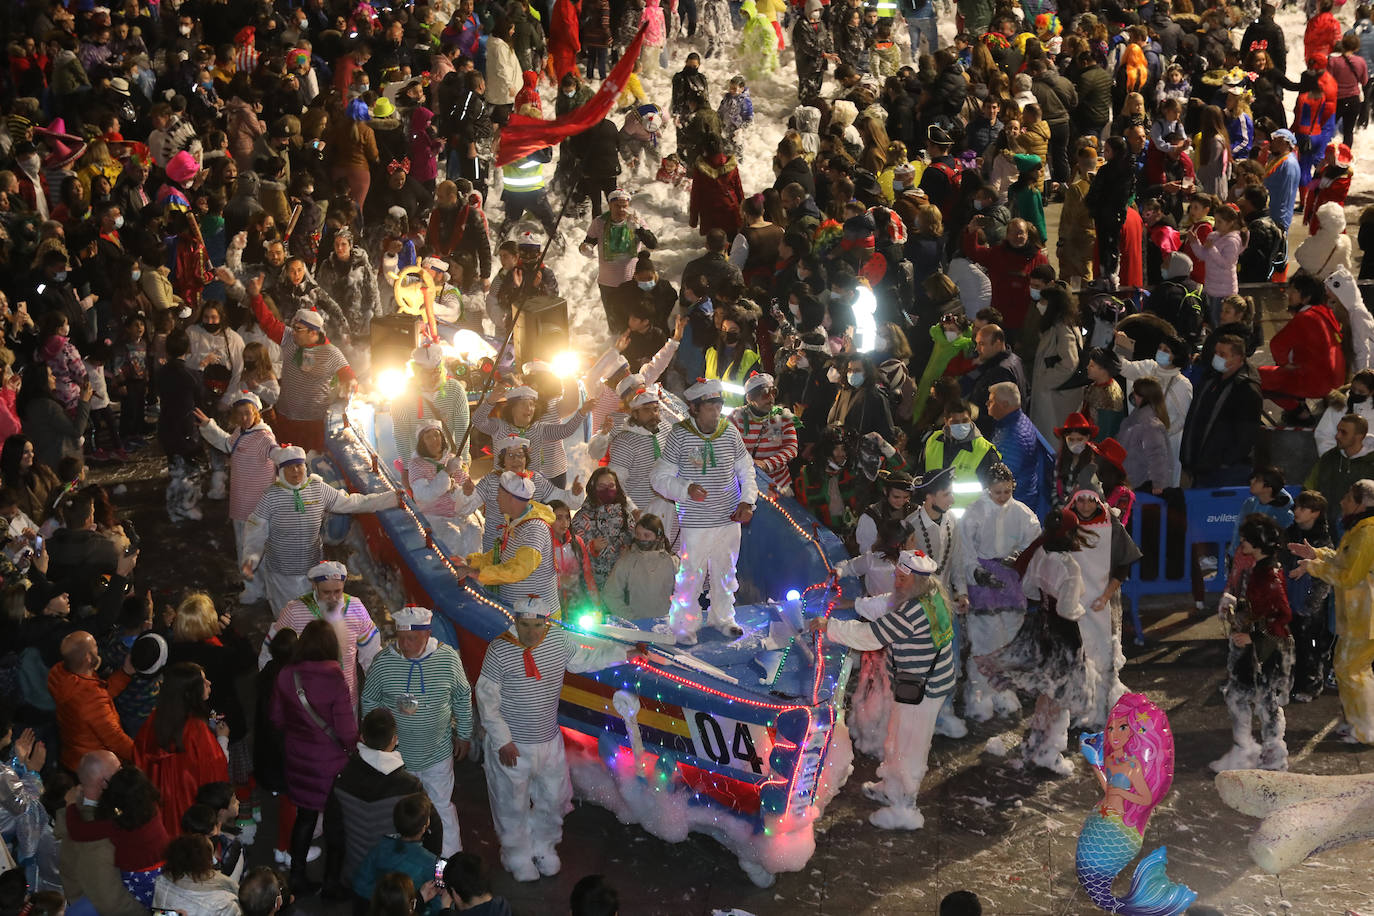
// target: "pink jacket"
[[69, 372], [1221, 257], [654, 34]]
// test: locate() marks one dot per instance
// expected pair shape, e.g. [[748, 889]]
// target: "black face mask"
[[1358, 399], [730, 337], [212, 328]]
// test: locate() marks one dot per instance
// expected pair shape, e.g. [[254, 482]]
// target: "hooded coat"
[[716, 195], [1308, 353], [1328, 247], [313, 757]]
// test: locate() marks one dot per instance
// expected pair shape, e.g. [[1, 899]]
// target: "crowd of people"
[[207, 207]]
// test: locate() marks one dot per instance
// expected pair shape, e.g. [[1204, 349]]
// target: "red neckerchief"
[[531, 669]]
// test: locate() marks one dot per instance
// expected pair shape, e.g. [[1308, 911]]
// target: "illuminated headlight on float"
[[471, 347], [391, 383], [565, 364]]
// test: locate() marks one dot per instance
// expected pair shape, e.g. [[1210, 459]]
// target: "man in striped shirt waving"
[[919, 631], [527, 773], [707, 470]]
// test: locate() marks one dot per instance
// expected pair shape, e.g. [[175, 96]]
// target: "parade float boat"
[[743, 740]]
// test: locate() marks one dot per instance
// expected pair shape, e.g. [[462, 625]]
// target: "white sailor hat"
[[287, 454], [704, 388], [433, 263], [618, 194], [531, 607], [645, 396], [756, 381], [916, 562], [425, 425], [308, 317], [521, 391], [326, 570], [247, 397], [396, 213], [427, 357], [520, 486], [412, 617], [511, 441], [608, 364], [629, 384]]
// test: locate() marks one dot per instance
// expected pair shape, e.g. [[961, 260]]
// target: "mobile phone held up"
[[439, 867]]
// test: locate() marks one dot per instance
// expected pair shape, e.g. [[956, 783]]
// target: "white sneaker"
[[1239, 757], [875, 792], [281, 857], [523, 870], [685, 639], [548, 864], [731, 630], [1060, 766], [897, 818], [950, 725], [979, 707]]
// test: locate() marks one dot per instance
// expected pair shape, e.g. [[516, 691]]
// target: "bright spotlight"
[[588, 621], [865, 325], [793, 595], [472, 347], [565, 364], [391, 383]]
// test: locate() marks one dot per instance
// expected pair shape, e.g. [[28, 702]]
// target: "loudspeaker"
[[542, 330], [393, 339]]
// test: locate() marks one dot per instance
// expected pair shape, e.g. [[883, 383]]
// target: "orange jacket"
[[86, 717]]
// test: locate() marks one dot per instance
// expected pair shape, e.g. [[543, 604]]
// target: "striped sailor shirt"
[[251, 470], [719, 462], [448, 404], [632, 455], [286, 537], [545, 430], [307, 378], [907, 632], [484, 495], [359, 641], [771, 441], [443, 701], [516, 706]]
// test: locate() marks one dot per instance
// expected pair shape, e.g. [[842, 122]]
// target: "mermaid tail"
[[1106, 845]]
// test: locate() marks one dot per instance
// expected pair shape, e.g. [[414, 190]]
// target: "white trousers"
[[281, 588], [253, 589], [438, 783], [528, 800], [705, 552], [906, 750], [986, 634], [1102, 650]]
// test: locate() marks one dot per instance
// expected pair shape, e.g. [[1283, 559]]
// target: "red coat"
[[716, 195], [1009, 271], [563, 37], [1311, 343], [1315, 195], [1323, 31], [179, 774], [1132, 269]]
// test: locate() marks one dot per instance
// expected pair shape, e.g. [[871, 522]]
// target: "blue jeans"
[[918, 26]]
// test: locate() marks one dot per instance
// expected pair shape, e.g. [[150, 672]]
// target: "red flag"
[[524, 135]]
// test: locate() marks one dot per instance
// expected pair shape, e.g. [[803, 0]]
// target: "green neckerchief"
[[299, 355], [708, 451], [312, 604], [941, 628], [618, 240], [296, 492]]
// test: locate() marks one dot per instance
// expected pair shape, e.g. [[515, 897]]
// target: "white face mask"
[[1076, 448], [185, 30], [119, 222], [646, 285], [855, 379], [1218, 362], [960, 431], [1040, 307], [803, 362], [951, 336], [833, 374], [1163, 358], [1035, 294]]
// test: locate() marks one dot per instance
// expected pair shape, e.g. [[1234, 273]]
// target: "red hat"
[[1077, 423], [1113, 453], [1344, 157]]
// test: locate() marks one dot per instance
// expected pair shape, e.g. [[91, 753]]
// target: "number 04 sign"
[[739, 745]]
